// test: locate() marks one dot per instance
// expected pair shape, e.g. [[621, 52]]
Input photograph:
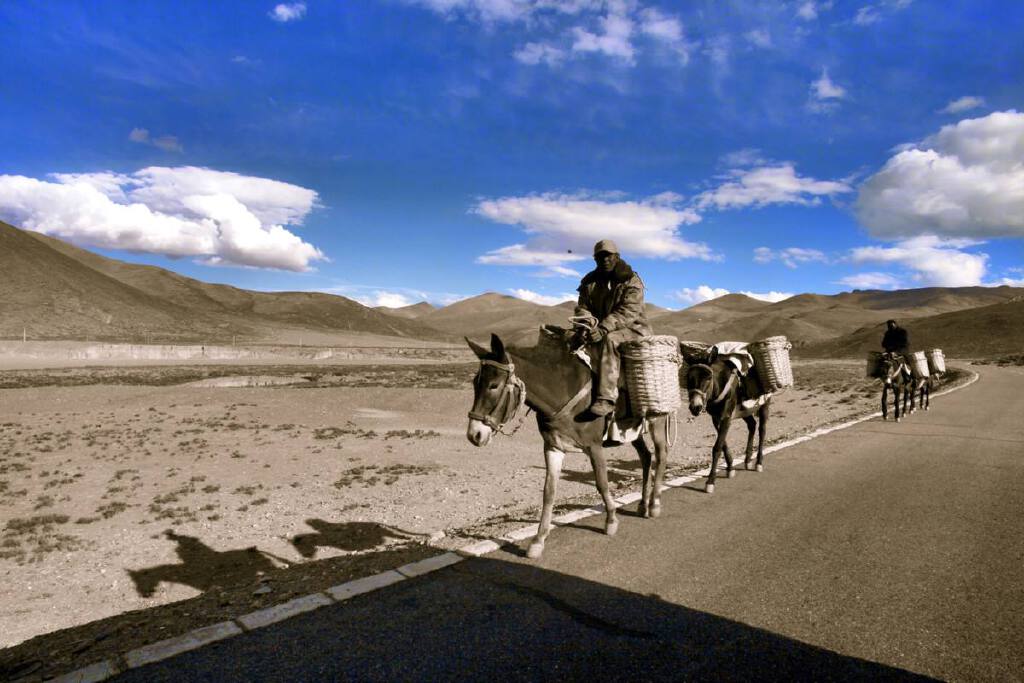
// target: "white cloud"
[[563, 228], [873, 280], [218, 217], [778, 184], [933, 261], [168, 143], [695, 295], [285, 12], [557, 30], [542, 299], [384, 298], [809, 9], [540, 53], [866, 16], [792, 257], [962, 104], [667, 29], [759, 38], [748, 156], [613, 40], [965, 181], [1011, 282], [825, 93], [558, 271]]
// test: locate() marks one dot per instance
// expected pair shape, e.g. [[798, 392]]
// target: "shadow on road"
[[494, 619]]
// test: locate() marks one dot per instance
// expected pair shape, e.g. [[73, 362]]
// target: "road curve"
[[884, 551]]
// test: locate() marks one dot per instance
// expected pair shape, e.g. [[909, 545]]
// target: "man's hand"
[[597, 334]]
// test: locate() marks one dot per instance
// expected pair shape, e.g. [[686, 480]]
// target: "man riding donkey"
[[895, 340], [611, 310]]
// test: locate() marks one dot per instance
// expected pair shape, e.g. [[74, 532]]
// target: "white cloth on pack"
[[737, 354]]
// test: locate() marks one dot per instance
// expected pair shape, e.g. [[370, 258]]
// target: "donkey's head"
[[891, 367], [497, 392], [699, 381]]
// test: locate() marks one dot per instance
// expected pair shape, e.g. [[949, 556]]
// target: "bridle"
[[703, 394], [510, 400]]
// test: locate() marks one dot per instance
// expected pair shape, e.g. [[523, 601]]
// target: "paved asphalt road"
[[884, 551]]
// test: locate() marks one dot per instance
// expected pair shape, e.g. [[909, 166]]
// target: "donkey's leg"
[[897, 396], [751, 426], [885, 401], [553, 466], [762, 430], [926, 394], [600, 465], [722, 425], [659, 435], [645, 462]]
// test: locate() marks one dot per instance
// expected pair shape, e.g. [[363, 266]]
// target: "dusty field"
[[185, 504]]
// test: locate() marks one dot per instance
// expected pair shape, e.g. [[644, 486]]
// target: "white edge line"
[[107, 668]]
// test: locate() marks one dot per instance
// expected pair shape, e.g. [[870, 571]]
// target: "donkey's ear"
[[497, 346], [480, 351]]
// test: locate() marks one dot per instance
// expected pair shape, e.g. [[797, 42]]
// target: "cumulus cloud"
[[540, 53], [967, 180], [542, 299], [695, 295], [384, 298], [809, 9], [872, 280], [759, 38], [285, 12], [168, 143], [558, 30], [763, 185], [932, 261], [963, 104], [791, 257], [563, 228], [613, 39], [866, 16], [825, 94], [215, 216]]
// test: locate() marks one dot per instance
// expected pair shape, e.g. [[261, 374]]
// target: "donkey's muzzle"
[[478, 433], [696, 405]]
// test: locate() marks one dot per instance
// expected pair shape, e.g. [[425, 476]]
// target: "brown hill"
[[815, 318], [986, 331], [57, 291], [507, 316], [412, 311]]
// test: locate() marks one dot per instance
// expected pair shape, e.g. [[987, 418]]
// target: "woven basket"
[[651, 365], [918, 364], [771, 358], [694, 352], [936, 361], [874, 368]]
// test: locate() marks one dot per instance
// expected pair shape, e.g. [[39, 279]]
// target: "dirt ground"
[[136, 510]]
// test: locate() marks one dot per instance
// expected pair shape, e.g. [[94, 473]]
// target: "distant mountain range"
[[54, 290]]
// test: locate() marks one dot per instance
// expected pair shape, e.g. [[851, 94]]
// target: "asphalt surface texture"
[[884, 551]]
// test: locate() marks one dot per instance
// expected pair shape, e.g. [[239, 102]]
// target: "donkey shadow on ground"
[[203, 568], [351, 536]]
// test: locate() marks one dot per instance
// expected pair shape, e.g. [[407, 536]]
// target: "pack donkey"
[[715, 386], [895, 375], [549, 379]]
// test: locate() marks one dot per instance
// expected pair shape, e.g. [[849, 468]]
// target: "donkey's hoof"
[[709, 488], [760, 468], [732, 474], [655, 510], [535, 550], [611, 527], [746, 466], [897, 419]]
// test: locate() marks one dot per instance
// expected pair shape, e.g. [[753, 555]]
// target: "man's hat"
[[605, 245]]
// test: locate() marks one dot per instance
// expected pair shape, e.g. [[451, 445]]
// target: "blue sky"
[[402, 150]]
